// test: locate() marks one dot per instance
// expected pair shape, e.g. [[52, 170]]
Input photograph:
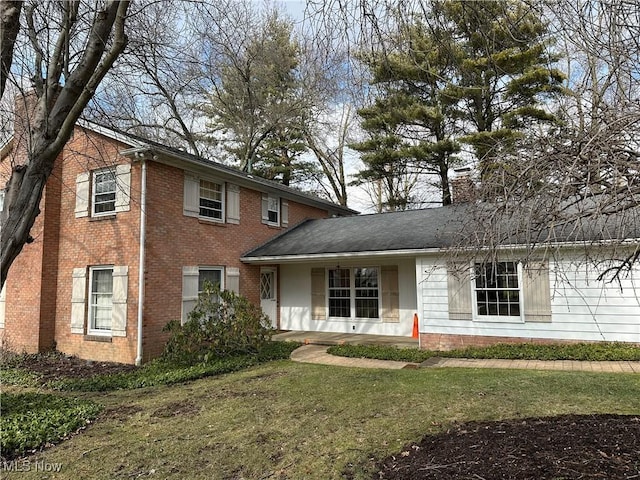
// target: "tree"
[[503, 73], [412, 120], [156, 87], [65, 49], [257, 96]]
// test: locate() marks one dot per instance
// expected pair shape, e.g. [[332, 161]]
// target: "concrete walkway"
[[318, 354]]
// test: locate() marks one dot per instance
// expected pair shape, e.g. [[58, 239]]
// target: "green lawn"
[[283, 420]]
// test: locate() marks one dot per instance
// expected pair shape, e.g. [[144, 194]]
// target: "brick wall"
[[39, 286], [87, 241], [446, 342], [175, 240]]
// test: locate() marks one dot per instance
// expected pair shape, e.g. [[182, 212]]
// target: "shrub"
[[222, 324]]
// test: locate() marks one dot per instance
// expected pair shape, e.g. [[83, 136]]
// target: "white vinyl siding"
[[303, 302], [562, 300]]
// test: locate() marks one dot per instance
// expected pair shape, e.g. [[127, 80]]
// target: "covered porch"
[[330, 338]]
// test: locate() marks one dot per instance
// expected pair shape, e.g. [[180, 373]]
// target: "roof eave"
[[310, 257]]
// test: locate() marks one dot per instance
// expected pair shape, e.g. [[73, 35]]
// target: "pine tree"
[[411, 125], [503, 73]]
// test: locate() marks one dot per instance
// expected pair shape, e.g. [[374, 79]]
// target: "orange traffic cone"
[[415, 326]]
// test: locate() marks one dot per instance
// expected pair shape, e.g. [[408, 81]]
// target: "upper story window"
[[104, 192], [275, 210], [497, 289], [211, 199]]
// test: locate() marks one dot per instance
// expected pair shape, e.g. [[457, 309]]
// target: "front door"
[[268, 300]]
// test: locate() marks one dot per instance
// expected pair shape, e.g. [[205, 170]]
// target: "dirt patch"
[[565, 447], [57, 366], [175, 409], [121, 413]]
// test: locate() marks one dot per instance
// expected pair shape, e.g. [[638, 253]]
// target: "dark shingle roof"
[[463, 225], [412, 229]]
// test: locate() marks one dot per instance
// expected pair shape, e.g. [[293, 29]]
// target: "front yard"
[[283, 420]]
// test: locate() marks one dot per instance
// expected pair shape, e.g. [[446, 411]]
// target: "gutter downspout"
[[143, 234]]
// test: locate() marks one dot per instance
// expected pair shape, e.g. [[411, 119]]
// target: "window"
[[273, 210], [340, 292], [357, 298], [1, 200], [497, 289], [212, 275], [211, 195], [104, 192], [101, 300], [366, 292]]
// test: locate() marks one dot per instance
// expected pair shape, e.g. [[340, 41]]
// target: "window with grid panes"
[[104, 192], [211, 195], [101, 300], [340, 292], [497, 289], [354, 293]]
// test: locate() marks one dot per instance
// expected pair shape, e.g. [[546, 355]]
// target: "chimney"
[[463, 188]]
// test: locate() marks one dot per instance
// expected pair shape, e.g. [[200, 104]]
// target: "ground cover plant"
[[30, 420], [283, 420], [56, 371], [526, 351]]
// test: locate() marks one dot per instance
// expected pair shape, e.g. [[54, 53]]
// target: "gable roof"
[[170, 155], [432, 230]]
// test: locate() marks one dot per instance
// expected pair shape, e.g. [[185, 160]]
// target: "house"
[[370, 274], [128, 232]]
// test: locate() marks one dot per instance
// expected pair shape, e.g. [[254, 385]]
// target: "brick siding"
[[39, 284]]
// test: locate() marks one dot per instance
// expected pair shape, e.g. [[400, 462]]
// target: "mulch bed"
[[56, 366], [559, 448]]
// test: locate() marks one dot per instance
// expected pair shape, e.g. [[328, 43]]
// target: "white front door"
[[268, 297]]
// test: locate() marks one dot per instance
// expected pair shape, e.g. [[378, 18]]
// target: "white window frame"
[[353, 298], [211, 269], [92, 330], [276, 201], [498, 318], [94, 193], [222, 192]]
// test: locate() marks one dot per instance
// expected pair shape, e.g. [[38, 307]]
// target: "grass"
[[578, 351], [283, 420]]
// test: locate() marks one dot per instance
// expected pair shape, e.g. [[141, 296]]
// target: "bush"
[[521, 351], [222, 324], [32, 420]]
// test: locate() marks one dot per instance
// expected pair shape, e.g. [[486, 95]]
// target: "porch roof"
[[461, 226]]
